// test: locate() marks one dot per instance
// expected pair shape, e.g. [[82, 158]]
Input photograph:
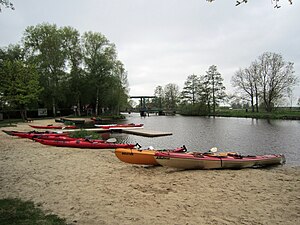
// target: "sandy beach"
[[92, 187]]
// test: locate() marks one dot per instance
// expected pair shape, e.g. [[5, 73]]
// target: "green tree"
[[45, 48], [20, 85], [275, 77], [117, 91], [159, 94], [171, 96], [191, 89], [99, 60], [213, 87], [75, 79]]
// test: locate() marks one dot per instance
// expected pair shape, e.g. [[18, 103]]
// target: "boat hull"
[[141, 156], [135, 156], [52, 127], [34, 134], [200, 161], [83, 144]]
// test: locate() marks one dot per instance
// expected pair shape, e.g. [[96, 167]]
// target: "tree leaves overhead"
[[276, 2], [266, 81], [73, 69], [20, 84], [6, 4]]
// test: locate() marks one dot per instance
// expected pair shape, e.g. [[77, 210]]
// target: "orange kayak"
[[141, 156]]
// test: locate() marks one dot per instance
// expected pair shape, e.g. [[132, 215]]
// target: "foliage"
[[15, 211], [6, 4], [159, 99], [44, 46], [106, 75], [190, 89], [73, 70], [203, 93], [288, 114], [85, 134], [214, 88], [276, 2], [267, 80], [20, 81], [171, 96]]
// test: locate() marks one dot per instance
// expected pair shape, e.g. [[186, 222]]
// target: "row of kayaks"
[[181, 159], [178, 158], [103, 126], [63, 140]]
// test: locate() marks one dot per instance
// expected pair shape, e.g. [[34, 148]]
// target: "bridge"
[[143, 108]]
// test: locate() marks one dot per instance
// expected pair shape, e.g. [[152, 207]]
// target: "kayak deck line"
[[130, 130]]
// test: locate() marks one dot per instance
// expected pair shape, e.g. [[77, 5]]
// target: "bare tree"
[[276, 2], [246, 80], [6, 4], [275, 77]]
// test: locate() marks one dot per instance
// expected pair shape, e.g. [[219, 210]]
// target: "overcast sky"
[[164, 41]]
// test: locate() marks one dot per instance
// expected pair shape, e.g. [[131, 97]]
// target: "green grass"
[[9, 123], [284, 114], [84, 134], [17, 212]]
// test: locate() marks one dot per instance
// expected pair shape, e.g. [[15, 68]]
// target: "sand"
[[90, 187]]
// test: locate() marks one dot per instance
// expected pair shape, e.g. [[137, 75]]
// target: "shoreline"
[[91, 186]]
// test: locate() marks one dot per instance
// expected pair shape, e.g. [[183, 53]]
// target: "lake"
[[243, 135]]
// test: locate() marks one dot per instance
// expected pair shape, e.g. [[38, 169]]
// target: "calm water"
[[246, 136]]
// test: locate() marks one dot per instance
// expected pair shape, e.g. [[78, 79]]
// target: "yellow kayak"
[[141, 156]]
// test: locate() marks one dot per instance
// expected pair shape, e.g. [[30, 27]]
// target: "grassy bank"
[[284, 115], [15, 212]]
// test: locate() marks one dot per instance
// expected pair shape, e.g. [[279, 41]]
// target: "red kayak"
[[229, 160], [65, 138], [52, 127], [120, 126], [83, 144], [33, 134]]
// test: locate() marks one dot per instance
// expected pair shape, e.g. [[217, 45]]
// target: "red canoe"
[[83, 144], [52, 127]]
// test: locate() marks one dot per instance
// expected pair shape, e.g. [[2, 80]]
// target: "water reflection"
[[243, 135]]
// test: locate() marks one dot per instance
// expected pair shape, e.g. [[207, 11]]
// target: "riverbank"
[[90, 187], [278, 115], [281, 115]]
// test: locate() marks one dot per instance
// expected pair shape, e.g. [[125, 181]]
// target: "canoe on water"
[[197, 160], [52, 127], [141, 156], [83, 144]]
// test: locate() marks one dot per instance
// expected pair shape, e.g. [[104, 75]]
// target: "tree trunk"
[[97, 102], [53, 107], [78, 108], [252, 102], [256, 98]]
